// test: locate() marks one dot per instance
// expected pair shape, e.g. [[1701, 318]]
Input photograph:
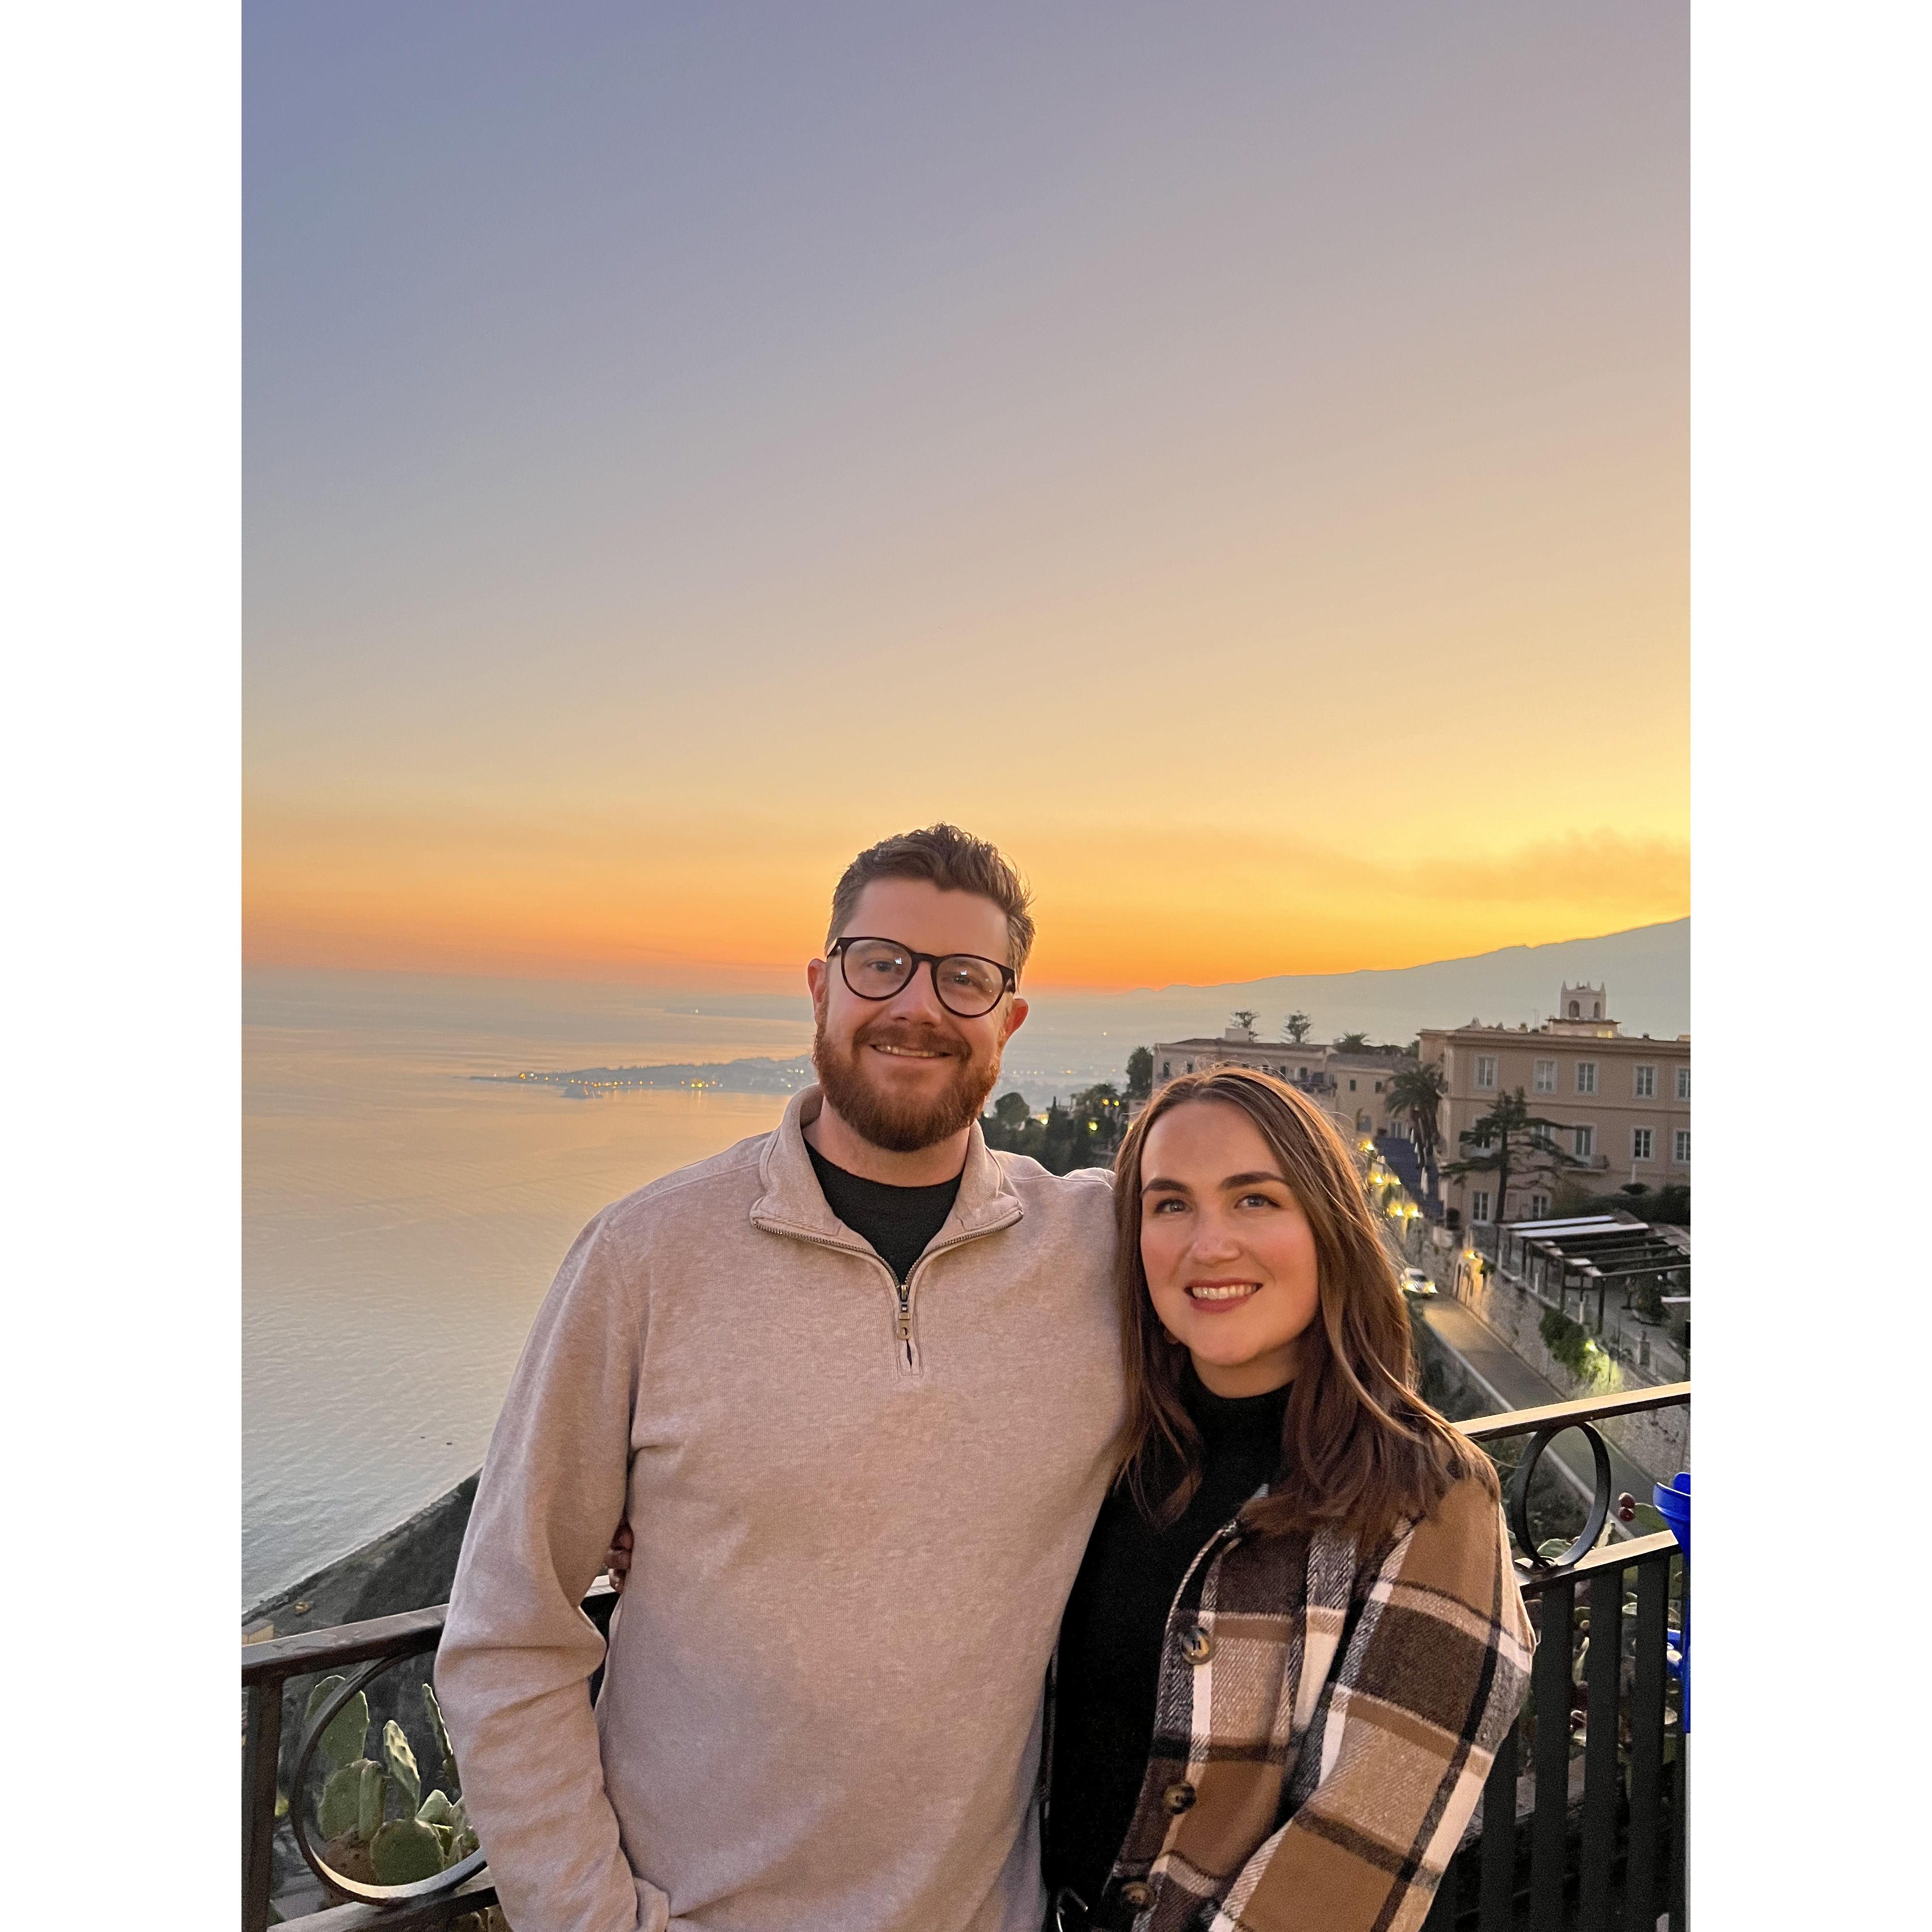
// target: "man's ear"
[[814, 981], [1016, 1018]]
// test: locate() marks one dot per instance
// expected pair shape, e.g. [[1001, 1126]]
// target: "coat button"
[[1197, 1646], [1178, 1797], [1138, 1895]]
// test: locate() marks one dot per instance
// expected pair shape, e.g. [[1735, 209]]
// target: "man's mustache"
[[921, 1039]]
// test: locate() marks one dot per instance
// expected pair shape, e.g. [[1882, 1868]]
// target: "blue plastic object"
[[1673, 1502]]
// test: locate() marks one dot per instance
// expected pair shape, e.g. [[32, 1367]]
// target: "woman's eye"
[[1255, 1201], [1164, 1207]]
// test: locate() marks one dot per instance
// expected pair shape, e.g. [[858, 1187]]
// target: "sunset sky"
[[1235, 456]]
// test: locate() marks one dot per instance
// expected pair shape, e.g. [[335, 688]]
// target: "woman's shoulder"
[[1459, 1548]]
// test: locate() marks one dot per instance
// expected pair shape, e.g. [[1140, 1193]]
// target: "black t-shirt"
[[1108, 1666], [899, 1222]]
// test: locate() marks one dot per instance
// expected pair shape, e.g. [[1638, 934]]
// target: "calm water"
[[403, 1222]]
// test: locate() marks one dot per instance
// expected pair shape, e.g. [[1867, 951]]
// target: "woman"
[[1296, 1640]]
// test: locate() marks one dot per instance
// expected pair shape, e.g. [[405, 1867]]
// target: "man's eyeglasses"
[[968, 985]]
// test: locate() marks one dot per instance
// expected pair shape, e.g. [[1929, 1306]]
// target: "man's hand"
[[617, 1558]]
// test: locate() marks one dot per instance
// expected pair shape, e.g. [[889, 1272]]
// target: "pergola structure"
[[1596, 1251]]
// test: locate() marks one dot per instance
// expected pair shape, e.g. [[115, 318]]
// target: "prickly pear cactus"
[[342, 1743], [433, 1711], [436, 1809], [400, 1763], [404, 1850], [339, 1809], [371, 1798]]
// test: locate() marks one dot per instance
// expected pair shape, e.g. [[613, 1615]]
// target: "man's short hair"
[[954, 861]]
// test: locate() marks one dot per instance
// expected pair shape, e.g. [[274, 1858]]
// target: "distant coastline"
[[757, 1076]]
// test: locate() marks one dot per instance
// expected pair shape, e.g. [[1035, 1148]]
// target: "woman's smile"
[[1219, 1294]]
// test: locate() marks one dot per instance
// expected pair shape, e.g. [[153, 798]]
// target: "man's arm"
[[518, 1652]]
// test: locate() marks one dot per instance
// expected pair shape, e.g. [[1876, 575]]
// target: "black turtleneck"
[[1109, 1660]]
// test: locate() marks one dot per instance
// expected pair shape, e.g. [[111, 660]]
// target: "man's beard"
[[901, 1125]]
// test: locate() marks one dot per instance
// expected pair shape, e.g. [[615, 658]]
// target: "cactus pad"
[[340, 1805], [371, 1800], [404, 1850], [436, 1809], [400, 1763], [433, 1711], [342, 1743]]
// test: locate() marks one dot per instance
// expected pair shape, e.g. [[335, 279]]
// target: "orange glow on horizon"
[[742, 908]]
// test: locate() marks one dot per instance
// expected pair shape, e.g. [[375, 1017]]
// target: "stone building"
[[1622, 1106], [1351, 1085]]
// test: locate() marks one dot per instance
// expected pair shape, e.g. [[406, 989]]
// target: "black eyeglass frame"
[[836, 949]]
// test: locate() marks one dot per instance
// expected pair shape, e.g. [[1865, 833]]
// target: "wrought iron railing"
[[1569, 1837]]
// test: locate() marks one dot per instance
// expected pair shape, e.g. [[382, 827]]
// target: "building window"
[[1190, 1066], [1545, 1076], [1479, 1204], [1166, 1072], [1378, 1086], [1485, 1069], [1586, 1076], [1351, 1086], [1680, 1147], [1646, 1083], [1640, 1143], [1583, 1142], [1539, 1207], [1684, 1083]]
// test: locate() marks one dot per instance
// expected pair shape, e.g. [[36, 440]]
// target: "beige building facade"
[[1351, 1086], [1622, 1105]]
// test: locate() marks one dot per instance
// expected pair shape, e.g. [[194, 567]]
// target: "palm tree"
[[1296, 1026], [1510, 1139], [1416, 1095], [1354, 1042]]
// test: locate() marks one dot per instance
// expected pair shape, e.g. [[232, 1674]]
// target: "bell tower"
[[1584, 1010]]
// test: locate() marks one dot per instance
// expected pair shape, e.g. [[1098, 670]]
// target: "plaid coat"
[[1323, 1726]]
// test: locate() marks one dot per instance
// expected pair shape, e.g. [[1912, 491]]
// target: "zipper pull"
[[905, 1314]]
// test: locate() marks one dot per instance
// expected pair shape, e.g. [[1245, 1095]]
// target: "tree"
[[1297, 1027], [1415, 1095], [1245, 1019], [1354, 1042], [1509, 1139], [1011, 1111], [1140, 1073]]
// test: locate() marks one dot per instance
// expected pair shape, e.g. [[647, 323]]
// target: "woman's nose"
[[1214, 1239]]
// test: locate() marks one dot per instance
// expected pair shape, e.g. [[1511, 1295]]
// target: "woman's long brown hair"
[[1360, 1449]]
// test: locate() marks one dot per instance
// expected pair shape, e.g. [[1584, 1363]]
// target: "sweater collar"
[[793, 1203]]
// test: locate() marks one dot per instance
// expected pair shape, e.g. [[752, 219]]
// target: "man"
[[855, 1383]]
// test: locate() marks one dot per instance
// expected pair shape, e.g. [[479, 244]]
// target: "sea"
[[402, 1220]]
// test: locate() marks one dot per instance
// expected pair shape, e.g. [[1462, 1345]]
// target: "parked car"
[[1414, 1282]]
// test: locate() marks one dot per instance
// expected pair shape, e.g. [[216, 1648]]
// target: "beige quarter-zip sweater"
[[858, 1516]]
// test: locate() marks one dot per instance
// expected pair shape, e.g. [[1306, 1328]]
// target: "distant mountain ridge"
[[1646, 968]]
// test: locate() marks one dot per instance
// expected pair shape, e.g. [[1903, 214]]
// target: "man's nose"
[[918, 999]]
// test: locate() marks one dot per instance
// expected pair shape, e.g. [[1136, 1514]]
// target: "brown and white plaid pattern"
[[1323, 1727]]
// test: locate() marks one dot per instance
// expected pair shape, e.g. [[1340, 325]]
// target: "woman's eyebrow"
[[1249, 1180], [1159, 1183]]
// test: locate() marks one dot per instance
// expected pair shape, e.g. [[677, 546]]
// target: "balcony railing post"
[[1653, 1585], [1602, 1786], [1550, 1682], [258, 1770], [1497, 1912]]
